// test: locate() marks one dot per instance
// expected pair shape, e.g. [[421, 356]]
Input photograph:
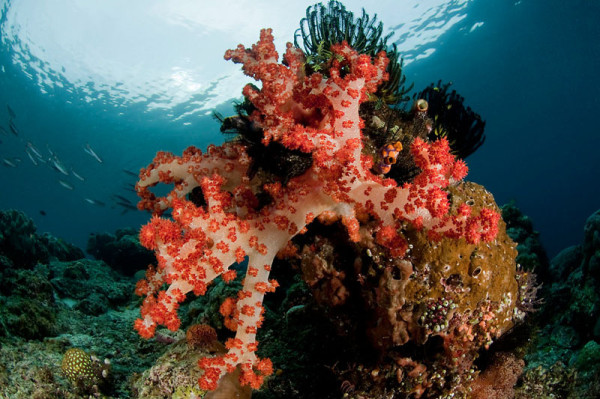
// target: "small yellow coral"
[[77, 365], [188, 392]]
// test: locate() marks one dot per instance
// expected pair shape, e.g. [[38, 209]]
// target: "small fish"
[[42, 212], [11, 112], [88, 149], [122, 199], [77, 175], [34, 149], [52, 154], [58, 166], [127, 207], [130, 173], [65, 184], [9, 163], [3, 131], [94, 202], [31, 157], [13, 128], [129, 187]]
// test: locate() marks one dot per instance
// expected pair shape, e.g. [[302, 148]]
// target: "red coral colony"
[[431, 252]]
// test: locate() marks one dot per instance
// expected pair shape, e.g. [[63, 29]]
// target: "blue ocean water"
[[527, 67]]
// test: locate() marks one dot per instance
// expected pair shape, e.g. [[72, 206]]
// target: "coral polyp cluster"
[[220, 216]]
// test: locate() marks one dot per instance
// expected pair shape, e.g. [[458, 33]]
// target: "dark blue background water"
[[529, 70]]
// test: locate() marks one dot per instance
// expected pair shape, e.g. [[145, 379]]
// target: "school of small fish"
[[67, 176]]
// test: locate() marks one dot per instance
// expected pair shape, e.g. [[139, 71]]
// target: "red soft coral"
[[313, 114]]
